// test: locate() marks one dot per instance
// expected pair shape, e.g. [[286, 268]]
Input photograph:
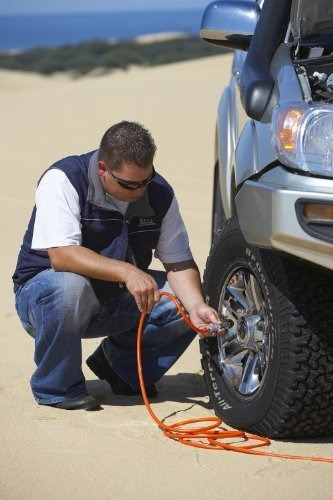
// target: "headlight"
[[303, 136]]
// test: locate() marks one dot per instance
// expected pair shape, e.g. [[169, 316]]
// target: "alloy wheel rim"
[[244, 350]]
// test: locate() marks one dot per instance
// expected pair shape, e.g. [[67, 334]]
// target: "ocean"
[[21, 32]]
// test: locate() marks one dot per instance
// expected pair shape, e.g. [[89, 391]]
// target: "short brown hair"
[[127, 142]]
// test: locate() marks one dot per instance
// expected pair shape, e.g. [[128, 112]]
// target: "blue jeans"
[[58, 309]]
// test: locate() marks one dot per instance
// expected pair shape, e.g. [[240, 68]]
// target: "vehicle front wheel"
[[272, 373]]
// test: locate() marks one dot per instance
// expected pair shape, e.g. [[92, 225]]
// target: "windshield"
[[311, 17]]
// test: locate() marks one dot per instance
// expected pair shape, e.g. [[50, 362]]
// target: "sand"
[[118, 452]]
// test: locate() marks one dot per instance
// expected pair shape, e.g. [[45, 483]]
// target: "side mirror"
[[230, 23]]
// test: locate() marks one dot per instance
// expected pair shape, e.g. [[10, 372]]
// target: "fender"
[[246, 155], [226, 148]]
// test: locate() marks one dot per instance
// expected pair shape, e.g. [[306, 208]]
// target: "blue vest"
[[104, 229]]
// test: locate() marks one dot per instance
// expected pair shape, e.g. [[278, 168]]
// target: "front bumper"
[[268, 213]]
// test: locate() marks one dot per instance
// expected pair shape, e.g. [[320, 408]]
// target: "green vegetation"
[[87, 56]]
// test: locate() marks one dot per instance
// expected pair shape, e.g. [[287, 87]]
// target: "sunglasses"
[[130, 185]]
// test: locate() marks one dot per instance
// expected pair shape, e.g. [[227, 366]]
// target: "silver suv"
[[270, 266]]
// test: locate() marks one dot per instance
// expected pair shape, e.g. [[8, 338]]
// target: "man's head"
[[125, 160], [127, 142]]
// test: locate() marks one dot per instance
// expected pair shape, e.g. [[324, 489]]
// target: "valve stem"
[[225, 324]]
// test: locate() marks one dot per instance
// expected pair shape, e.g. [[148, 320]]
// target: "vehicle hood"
[[310, 17]]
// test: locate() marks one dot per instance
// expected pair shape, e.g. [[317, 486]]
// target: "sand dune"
[[119, 453]]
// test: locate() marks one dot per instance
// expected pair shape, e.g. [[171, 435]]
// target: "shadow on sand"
[[185, 388], [182, 388]]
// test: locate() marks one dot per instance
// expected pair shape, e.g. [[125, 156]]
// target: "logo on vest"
[[146, 221]]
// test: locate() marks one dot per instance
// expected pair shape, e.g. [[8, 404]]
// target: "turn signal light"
[[318, 212], [288, 127]]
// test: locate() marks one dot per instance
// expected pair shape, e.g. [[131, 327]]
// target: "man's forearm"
[[184, 279], [81, 260]]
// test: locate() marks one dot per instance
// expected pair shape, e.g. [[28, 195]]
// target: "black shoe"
[[85, 402], [98, 364]]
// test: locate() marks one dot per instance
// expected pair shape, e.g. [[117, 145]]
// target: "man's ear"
[[102, 168]]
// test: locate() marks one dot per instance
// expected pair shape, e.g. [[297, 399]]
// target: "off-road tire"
[[295, 398]]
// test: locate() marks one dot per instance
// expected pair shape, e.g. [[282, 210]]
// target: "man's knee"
[[76, 287], [164, 312], [74, 292], [64, 289]]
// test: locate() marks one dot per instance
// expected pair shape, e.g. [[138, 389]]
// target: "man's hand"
[[143, 288], [184, 279], [203, 316]]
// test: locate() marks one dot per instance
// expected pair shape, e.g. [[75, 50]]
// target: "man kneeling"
[[82, 271]]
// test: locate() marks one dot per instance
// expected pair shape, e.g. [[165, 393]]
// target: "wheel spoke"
[[250, 379], [229, 337], [231, 313], [262, 362], [225, 340], [236, 300], [252, 291], [233, 367], [237, 357]]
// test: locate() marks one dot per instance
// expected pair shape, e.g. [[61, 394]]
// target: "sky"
[[48, 6]]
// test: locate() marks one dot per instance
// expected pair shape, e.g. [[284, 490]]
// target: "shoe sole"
[[87, 407]]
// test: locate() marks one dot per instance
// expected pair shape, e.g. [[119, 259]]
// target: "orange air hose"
[[185, 433]]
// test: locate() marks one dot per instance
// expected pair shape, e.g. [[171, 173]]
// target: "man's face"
[[115, 182]]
